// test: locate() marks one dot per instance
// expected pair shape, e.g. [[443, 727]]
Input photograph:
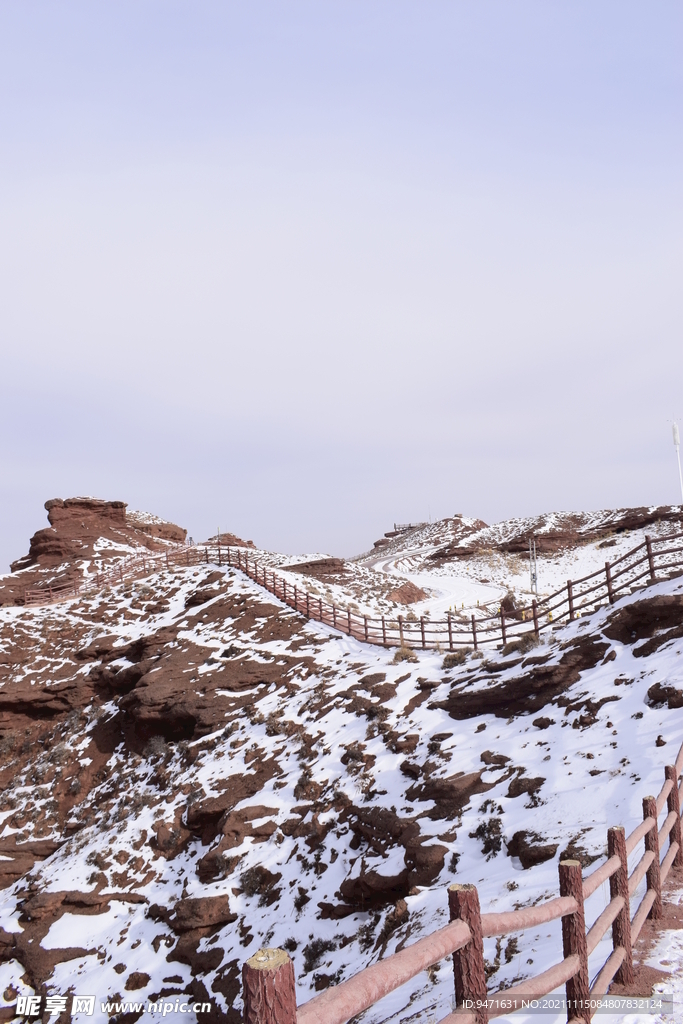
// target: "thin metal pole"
[[535, 569], [677, 446]]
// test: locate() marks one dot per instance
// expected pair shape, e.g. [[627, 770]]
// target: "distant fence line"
[[648, 562], [268, 977]]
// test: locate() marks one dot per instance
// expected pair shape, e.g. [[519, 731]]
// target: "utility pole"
[[533, 567], [677, 446]]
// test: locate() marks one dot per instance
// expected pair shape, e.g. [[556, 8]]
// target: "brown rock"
[[136, 980], [201, 912], [380, 829], [450, 794], [530, 849], [498, 759], [407, 593], [206, 817], [521, 784], [530, 692], [658, 696], [642, 619], [319, 568]]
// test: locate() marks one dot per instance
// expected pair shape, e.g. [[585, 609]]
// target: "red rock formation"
[[76, 524], [56, 553], [230, 540], [407, 593]]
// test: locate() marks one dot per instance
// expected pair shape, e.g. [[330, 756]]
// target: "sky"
[[300, 271]]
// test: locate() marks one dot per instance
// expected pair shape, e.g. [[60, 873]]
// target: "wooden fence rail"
[[269, 984], [650, 562]]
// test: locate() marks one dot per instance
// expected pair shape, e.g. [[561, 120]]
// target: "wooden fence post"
[[400, 629], [674, 804], [469, 973], [348, 619], [269, 988], [365, 623], [320, 608], [308, 614], [167, 559], [474, 632], [534, 607], [650, 557], [284, 591], [296, 606], [334, 616], [618, 886], [51, 589], [570, 599], [229, 556], [608, 576], [207, 555], [574, 941], [219, 553], [502, 625], [187, 555], [422, 630], [654, 878], [384, 632], [450, 633]]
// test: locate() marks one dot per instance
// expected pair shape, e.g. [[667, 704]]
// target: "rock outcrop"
[[76, 524]]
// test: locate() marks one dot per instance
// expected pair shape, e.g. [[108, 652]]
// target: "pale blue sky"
[[301, 270]]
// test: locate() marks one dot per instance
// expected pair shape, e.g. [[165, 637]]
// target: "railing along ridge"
[[423, 633], [269, 984], [268, 976], [125, 568]]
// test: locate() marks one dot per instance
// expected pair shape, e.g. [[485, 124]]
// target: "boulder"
[[531, 849]]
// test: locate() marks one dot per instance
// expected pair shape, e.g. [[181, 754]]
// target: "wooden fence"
[[653, 560], [124, 569], [268, 977]]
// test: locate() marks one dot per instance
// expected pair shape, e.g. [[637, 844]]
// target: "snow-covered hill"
[[194, 771], [462, 563]]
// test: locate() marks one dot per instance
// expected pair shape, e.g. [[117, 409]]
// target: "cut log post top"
[[269, 988]]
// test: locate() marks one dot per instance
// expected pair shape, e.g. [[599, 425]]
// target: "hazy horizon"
[[301, 273]]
